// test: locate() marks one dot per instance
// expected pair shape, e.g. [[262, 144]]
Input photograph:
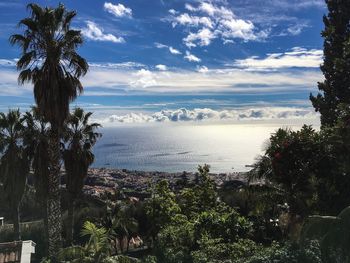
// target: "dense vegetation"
[[294, 207]]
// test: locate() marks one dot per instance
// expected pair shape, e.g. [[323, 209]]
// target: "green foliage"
[[36, 137], [189, 235], [333, 234], [227, 225], [14, 163], [120, 221], [290, 163], [336, 67], [79, 137], [149, 259], [201, 197], [216, 251], [289, 253], [334, 169], [121, 259], [95, 250], [176, 241], [161, 207], [49, 60]]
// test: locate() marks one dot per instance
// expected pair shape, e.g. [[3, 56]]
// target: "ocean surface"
[[174, 133], [176, 147]]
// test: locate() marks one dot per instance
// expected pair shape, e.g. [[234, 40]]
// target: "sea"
[[175, 133], [177, 147]]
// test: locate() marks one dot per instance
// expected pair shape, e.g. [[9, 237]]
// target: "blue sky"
[[154, 55]]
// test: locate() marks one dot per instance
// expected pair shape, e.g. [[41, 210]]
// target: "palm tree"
[[95, 250], [121, 224], [36, 137], [49, 60], [14, 166], [80, 137]]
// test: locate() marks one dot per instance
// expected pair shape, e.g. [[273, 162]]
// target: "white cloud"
[[296, 29], [160, 45], [8, 62], [215, 80], [212, 10], [238, 28], [192, 58], [161, 67], [94, 32], [172, 11], [118, 10], [121, 65], [195, 21], [174, 51], [273, 74], [202, 69], [216, 21], [297, 57], [144, 79], [299, 4], [9, 84], [207, 114], [203, 38], [189, 7], [228, 41]]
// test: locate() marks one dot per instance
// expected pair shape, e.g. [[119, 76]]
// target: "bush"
[[289, 253]]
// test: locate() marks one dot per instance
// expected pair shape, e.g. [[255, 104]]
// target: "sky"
[[185, 60]]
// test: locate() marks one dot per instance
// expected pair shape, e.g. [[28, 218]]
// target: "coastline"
[[137, 183]]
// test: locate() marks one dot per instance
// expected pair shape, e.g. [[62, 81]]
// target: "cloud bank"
[[288, 71], [207, 114]]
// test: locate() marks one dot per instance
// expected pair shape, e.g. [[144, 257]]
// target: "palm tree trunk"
[[44, 207], [121, 244], [127, 244], [70, 219], [54, 222], [16, 222]]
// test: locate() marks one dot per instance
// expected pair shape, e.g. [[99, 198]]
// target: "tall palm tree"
[[14, 166], [80, 136], [50, 61], [36, 137]]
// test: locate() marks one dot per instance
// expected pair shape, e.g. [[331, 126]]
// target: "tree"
[[291, 165], [122, 225], [336, 67], [80, 137], [36, 137], [95, 250], [50, 62], [295, 156], [14, 166], [333, 180], [201, 197], [161, 207]]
